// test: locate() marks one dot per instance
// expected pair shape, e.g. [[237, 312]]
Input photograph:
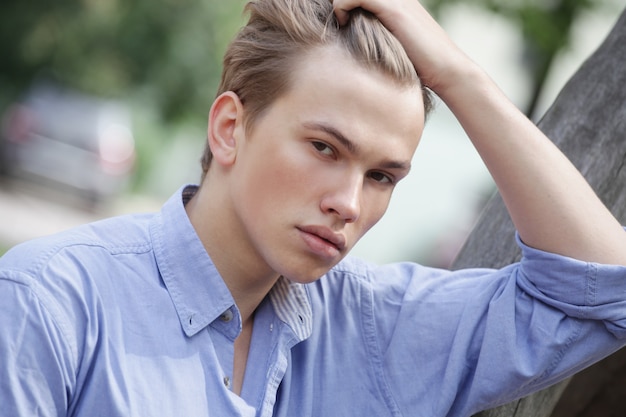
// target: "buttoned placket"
[[227, 317], [228, 327]]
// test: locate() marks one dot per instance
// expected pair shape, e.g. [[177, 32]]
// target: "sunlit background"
[[104, 107]]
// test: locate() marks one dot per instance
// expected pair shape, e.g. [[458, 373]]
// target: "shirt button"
[[226, 316], [227, 382]]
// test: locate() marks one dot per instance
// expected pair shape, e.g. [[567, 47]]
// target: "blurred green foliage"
[[163, 57], [166, 51]]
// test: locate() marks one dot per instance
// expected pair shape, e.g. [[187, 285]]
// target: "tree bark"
[[588, 123]]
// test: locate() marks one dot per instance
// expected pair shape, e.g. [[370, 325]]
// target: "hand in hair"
[[432, 52], [549, 201]]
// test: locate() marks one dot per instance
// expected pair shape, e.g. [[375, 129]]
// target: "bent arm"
[[552, 206]]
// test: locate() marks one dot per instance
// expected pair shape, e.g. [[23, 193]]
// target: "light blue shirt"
[[129, 317]]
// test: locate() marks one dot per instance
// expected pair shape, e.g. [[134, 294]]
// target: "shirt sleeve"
[[34, 376], [481, 337], [583, 290]]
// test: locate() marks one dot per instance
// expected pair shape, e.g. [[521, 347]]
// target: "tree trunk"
[[588, 123]]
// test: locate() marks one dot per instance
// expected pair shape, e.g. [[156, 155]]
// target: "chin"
[[304, 268], [310, 275], [303, 279]]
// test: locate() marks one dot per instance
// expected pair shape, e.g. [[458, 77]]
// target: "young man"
[[236, 299]]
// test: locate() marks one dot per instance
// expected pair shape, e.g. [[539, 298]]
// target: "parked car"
[[69, 141]]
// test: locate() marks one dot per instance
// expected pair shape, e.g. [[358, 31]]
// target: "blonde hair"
[[259, 61]]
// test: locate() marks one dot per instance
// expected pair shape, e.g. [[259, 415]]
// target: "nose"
[[344, 199]]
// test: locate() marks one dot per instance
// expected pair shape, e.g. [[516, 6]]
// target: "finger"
[[342, 16], [342, 9]]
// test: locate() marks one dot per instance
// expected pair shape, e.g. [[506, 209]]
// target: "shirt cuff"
[[585, 290]]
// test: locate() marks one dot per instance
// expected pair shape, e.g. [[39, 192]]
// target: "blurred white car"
[[70, 141]]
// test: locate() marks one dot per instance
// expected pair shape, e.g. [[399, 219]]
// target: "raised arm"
[[551, 204]]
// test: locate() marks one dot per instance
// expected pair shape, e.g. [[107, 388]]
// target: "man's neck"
[[249, 280]]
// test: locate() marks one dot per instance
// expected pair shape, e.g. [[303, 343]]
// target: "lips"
[[321, 237]]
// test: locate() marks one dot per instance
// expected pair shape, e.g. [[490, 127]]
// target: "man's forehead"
[[350, 101]]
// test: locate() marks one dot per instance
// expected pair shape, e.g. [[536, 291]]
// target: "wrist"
[[459, 78]]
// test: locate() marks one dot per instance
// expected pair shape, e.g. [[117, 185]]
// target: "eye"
[[381, 177], [323, 148]]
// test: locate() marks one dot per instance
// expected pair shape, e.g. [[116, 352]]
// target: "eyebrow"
[[341, 138], [351, 146]]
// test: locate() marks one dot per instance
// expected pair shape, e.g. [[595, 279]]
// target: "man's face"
[[318, 168]]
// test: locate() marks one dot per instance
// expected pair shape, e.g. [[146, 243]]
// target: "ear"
[[225, 127]]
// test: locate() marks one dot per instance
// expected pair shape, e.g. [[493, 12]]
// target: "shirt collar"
[[290, 301], [197, 290]]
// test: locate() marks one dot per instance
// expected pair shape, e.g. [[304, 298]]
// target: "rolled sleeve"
[[483, 337], [583, 290]]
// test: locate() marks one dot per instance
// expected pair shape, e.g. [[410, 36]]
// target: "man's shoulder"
[[66, 282], [82, 244], [352, 267], [360, 269], [358, 272]]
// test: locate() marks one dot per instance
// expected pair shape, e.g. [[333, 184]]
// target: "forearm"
[[552, 206]]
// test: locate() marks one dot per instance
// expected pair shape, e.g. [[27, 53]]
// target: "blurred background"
[[103, 108]]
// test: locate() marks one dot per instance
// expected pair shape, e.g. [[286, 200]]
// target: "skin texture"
[[292, 195], [297, 170]]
